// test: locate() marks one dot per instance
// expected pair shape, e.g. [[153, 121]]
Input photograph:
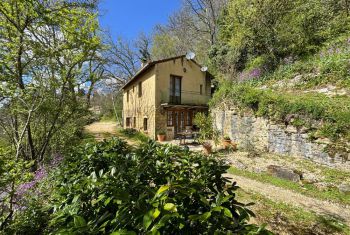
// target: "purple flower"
[[255, 73], [40, 174]]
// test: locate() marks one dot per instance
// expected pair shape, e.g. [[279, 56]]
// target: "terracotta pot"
[[233, 146], [207, 148], [161, 138], [226, 143]]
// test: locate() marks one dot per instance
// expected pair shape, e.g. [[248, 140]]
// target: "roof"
[[150, 64]]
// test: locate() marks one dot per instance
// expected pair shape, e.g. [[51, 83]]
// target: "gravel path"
[[283, 195]]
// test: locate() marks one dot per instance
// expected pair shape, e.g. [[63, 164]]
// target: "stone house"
[[165, 95]]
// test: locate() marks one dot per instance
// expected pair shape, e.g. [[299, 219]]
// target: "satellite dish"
[[204, 69], [190, 55]]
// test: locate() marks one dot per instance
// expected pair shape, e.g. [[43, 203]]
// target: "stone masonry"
[[261, 134]]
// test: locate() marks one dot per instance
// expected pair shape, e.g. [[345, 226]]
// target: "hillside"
[[311, 94]]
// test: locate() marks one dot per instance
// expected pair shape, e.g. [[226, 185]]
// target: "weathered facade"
[[165, 95]]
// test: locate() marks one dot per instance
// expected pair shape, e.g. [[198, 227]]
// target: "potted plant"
[[226, 142], [161, 135], [207, 133], [207, 147]]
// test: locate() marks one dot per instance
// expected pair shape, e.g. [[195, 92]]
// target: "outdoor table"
[[184, 134]]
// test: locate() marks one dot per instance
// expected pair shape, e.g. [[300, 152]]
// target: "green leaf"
[[205, 216], [156, 213], [204, 200], [227, 212], [75, 199], [108, 200], [170, 207], [217, 208], [147, 219], [79, 221], [162, 189], [123, 232]]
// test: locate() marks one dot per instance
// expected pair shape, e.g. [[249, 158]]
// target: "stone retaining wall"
[[259, 133]]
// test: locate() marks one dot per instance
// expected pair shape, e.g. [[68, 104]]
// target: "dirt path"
[[283, 195], [105, 129], [100, 130]]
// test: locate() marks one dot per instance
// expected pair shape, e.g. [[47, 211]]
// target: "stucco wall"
[[156, 91], [144, 106], [250, 131], [192, 78]]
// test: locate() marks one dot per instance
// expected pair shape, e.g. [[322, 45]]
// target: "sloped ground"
[[106, 129], [101, 130], [290, 200], [296, 199]]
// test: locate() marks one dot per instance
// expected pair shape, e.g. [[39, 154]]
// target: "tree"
[[143, 43], [45, 45], [192, 28]]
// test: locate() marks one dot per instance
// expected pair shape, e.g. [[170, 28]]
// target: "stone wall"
[[259, 133]]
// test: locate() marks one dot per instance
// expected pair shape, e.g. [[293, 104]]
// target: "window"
[[140, 89], [170, 118], [127, 96], [145, 126], [201, 89], [175, 89], [134, 122], [127, 122]]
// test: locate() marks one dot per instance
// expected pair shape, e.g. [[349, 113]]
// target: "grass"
[[281, 217], [133, 135], [331, 194]]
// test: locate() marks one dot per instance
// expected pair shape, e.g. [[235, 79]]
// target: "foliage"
[[275, 30], [155, 188], [161, 132], [193, 27], [206, 127], [47, 47], [13, 173], [325, 67]]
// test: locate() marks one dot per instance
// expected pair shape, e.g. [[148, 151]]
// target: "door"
[[179, 121]]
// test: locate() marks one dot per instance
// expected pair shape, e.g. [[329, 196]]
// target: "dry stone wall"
[[261, 134]]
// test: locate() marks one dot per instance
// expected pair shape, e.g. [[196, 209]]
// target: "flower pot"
[[207, 149], [161, 138], [226, 143], [233, 146]]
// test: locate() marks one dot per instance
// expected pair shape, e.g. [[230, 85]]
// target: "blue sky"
[[127, 18]]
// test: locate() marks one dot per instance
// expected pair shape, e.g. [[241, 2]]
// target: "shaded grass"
[[133, 135], [283, 217], [331, 194]]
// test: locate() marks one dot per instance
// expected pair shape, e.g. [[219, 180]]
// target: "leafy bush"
[[206, 128], [156, 189], [275, 31]]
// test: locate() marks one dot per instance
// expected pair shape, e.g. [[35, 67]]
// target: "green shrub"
[[155, 189]]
